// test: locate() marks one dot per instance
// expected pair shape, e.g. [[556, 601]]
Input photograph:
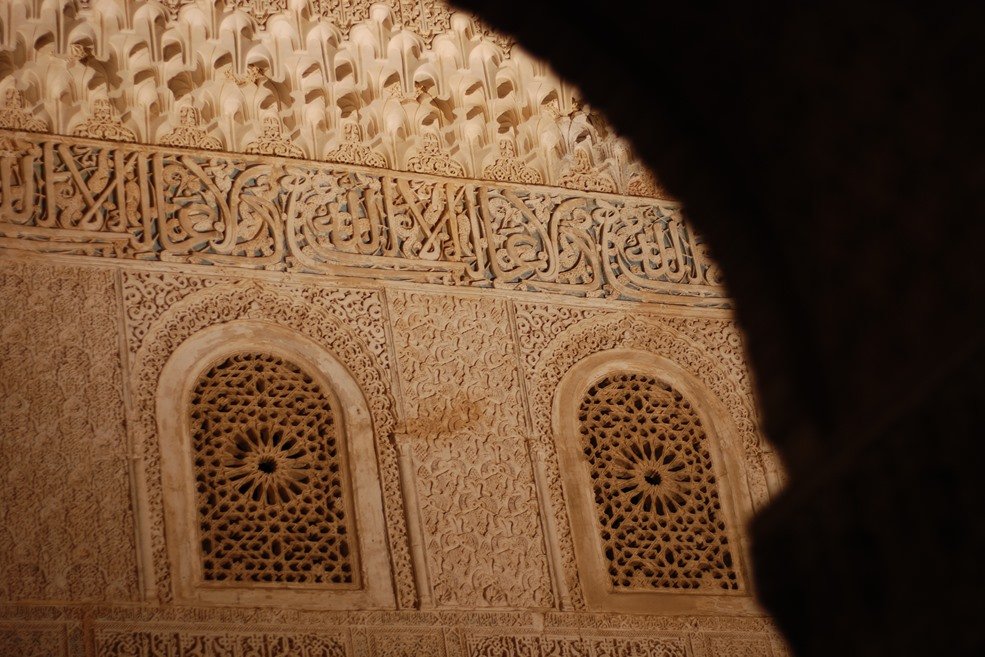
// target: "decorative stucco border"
[[256, 302], [577, 334]]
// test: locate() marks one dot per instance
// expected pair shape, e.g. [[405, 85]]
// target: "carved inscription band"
[[135, 202]]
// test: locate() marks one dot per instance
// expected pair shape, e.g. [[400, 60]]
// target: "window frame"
[[722, 439], [175, 388]]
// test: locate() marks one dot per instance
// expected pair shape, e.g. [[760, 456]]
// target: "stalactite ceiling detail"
[[409, 85]]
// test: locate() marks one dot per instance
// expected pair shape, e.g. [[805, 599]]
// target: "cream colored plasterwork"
[[417, 84], [464, 413], [93, 198], [66, 523], [463, 378], [392, 184]]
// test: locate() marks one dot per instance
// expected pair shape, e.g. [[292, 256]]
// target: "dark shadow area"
[[834, 157]]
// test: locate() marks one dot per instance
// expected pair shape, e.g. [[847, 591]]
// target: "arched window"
[[642, 478], [656, 498], [271, 476], [272, 491]]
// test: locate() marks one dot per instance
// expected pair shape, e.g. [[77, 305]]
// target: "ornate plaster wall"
[[464, 415], [464, 379], [472, 242], [66, 518]]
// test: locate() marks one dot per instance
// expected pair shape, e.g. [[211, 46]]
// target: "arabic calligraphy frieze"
[[90, 198]]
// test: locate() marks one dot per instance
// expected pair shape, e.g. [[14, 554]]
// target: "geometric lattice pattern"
[[269, 469], [656, 498]]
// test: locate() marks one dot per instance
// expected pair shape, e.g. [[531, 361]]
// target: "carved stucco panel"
[[126, 642], [552, 339], [578, 646], [85, 197], [148, 294], [152, 631], [406, 644], [723, 340], [464, 414], [340, 320], [66, 527], [738, 645], [40, 639]]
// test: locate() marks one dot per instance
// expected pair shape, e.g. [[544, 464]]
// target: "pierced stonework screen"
[[270, 476], [656, 499]]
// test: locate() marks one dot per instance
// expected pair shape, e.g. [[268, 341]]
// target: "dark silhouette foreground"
[[834, 157]]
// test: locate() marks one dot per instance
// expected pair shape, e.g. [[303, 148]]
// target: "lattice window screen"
[[656, 497], [270, 471]]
